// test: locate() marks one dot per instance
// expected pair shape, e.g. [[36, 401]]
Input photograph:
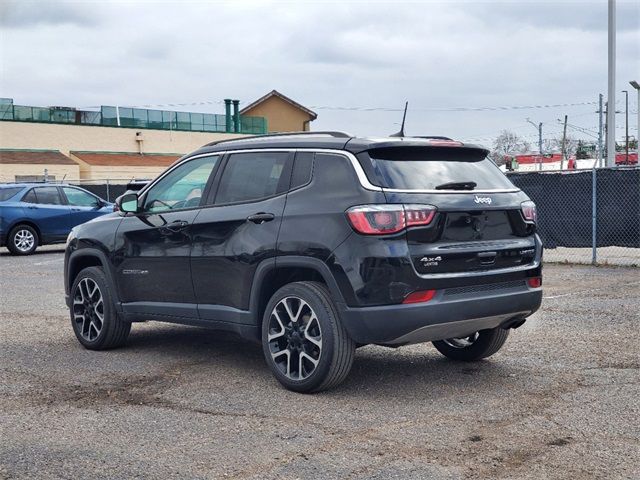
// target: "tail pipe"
[[513, 323]]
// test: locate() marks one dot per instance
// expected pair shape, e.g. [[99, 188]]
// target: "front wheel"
[[94, 319], [304, 342], [473, 347]]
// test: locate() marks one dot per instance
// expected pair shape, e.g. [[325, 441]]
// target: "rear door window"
[[433, 168], [43, 196], [302, 168], [253, 176]]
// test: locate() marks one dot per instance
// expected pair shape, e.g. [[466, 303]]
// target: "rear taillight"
[[420, 296], [535, 282], [385, 219], [529, 211]]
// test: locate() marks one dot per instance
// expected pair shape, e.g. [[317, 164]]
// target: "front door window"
[[182, 188]]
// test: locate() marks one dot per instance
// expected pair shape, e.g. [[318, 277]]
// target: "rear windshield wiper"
[[457, 186]]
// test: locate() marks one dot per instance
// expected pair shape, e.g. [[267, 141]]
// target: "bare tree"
[[507, 144]]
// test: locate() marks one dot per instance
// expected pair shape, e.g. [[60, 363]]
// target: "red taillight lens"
[[420, 296], [535, 282], [529, 211], [385, 219]]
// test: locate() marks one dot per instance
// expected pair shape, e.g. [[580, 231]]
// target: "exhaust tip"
[[513, 323]]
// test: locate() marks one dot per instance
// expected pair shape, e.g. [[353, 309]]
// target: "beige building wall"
[[116, 174], [9, 171], [281, 116], [66, 138]]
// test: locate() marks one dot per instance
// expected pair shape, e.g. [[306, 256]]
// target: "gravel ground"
[[606, 256], [560, 400]]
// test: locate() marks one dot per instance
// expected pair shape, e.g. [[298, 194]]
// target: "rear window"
[[417, 168], [7, 193]]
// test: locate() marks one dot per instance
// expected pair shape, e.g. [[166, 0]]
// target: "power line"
[[452, 109]]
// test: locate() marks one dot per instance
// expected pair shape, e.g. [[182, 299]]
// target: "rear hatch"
[[479, 224]]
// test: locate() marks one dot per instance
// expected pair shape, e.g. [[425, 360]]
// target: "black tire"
[[484, 345], [17, 236], [335, 355], [113, 330]]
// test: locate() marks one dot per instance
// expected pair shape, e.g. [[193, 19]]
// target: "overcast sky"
[[328, 55]]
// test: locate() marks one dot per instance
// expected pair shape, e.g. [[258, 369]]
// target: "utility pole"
[[564, 143], [636, 85], [600, 155], [539, 127], [611, 87], [626, 125]]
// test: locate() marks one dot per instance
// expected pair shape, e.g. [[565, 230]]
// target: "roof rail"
[[331, 133]]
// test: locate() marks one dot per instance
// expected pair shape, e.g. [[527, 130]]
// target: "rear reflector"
[[420, 296], [385, 219], [535, 282], [529, 211]]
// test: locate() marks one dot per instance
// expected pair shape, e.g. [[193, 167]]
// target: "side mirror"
[[127, 203]]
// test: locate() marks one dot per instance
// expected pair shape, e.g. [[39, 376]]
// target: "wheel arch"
[[273, 274], [81, 259], [28, 222]]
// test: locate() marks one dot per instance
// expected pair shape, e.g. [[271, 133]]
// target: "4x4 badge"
[[431, 261], [486, 200]]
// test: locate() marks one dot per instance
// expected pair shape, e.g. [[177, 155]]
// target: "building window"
[[33, 178]]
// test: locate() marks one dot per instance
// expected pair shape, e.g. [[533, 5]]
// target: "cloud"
[[20, 14], [350, 53]]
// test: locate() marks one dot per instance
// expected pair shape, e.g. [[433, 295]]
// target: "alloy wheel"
[[295, 338], [88, 309], [24, 240], [462, 342]]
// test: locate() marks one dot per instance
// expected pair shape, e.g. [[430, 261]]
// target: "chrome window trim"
[[487, 190], [362, 176]]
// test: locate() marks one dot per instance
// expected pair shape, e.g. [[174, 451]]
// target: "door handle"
[[261, 217], [176, 226]]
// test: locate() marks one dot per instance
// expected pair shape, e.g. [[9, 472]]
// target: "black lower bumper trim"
[[438, 319]]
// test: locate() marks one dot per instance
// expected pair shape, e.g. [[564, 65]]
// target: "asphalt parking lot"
[[561, 400]]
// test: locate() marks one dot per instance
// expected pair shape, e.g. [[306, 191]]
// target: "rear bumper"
[[447, 315]]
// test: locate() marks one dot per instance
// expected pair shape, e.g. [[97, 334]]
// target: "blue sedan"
[[33, 214]]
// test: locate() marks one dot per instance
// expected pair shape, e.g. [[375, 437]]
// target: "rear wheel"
[[473, 347], [304, 342], [93, 315], [23, 240]]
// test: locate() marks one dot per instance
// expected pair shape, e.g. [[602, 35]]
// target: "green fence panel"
[[132, 117]]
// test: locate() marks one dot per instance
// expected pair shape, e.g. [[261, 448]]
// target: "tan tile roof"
[[275, 93], [34, 157], [123, 159]]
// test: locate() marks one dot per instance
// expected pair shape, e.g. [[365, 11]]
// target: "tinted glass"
[[182, 188], [30, 197], [48, 196], [7, 193], [426, 169], [79, 198], [252, 176], [302, 168]]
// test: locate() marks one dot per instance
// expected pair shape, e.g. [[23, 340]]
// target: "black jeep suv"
[[315, 244]]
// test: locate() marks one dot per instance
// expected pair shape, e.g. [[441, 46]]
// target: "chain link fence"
[[590, 217], [107, 189]]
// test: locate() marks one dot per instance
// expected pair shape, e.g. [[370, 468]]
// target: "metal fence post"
[[108, 196], [594, 198]]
